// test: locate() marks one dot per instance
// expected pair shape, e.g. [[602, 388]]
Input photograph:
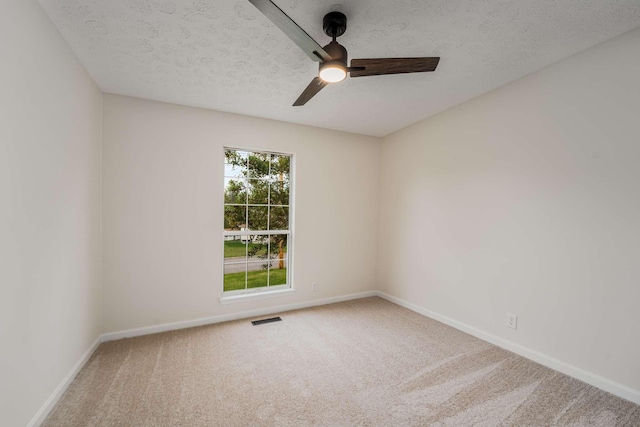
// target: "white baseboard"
[[48, 405], [129, 333], [602, 383]]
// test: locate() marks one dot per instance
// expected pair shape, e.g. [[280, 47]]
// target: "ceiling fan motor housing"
[[337, 52], [338, 59]]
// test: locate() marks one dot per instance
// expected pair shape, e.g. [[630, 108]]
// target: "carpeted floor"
[[364, 362]]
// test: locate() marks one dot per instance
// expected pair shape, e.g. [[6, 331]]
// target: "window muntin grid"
[[257, 201]]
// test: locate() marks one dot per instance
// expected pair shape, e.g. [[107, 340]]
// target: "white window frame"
[[265, 291]]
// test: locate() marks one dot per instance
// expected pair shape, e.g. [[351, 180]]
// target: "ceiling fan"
[[333, 57]]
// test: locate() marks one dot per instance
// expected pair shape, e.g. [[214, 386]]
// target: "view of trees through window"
[[256, 219]]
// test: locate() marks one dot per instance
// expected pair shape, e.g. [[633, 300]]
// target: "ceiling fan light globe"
[[333, 73]]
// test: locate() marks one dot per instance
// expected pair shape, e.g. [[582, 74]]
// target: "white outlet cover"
[[512, 321]]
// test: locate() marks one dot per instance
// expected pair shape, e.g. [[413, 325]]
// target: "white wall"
[[50, 120], [163, 192], [527, 200]]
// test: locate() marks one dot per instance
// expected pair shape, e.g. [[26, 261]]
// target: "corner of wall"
[[100, 236]]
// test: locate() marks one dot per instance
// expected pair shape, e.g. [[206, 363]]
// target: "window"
[[257, 235]]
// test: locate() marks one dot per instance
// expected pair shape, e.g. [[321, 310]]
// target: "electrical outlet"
[[314, 287], [512, 321]]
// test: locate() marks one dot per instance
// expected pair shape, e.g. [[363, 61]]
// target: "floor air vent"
[[263, 321]]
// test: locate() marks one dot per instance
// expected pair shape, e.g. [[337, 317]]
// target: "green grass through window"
[[235, 248], [255, 279]]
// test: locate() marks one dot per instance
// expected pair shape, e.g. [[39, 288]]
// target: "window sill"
[[230, 299]]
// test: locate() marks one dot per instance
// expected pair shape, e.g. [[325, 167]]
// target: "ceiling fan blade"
[[292, 30], [314, 87], [380, 66]]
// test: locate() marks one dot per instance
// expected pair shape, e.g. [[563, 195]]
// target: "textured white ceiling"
[[225, 55]]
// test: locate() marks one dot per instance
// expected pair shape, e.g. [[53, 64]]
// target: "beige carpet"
[[364, 362]]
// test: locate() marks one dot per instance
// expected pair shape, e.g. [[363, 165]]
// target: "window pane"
[[258, 248], [258, 192], [280, 166], [278, 273], [235, 248], [278, 246], [235, 218], [233, 171], [257, 275], [235, 163], [258, 217], [279, 193], [279, 218], [235, 191], [235, 276], [259, 165]]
